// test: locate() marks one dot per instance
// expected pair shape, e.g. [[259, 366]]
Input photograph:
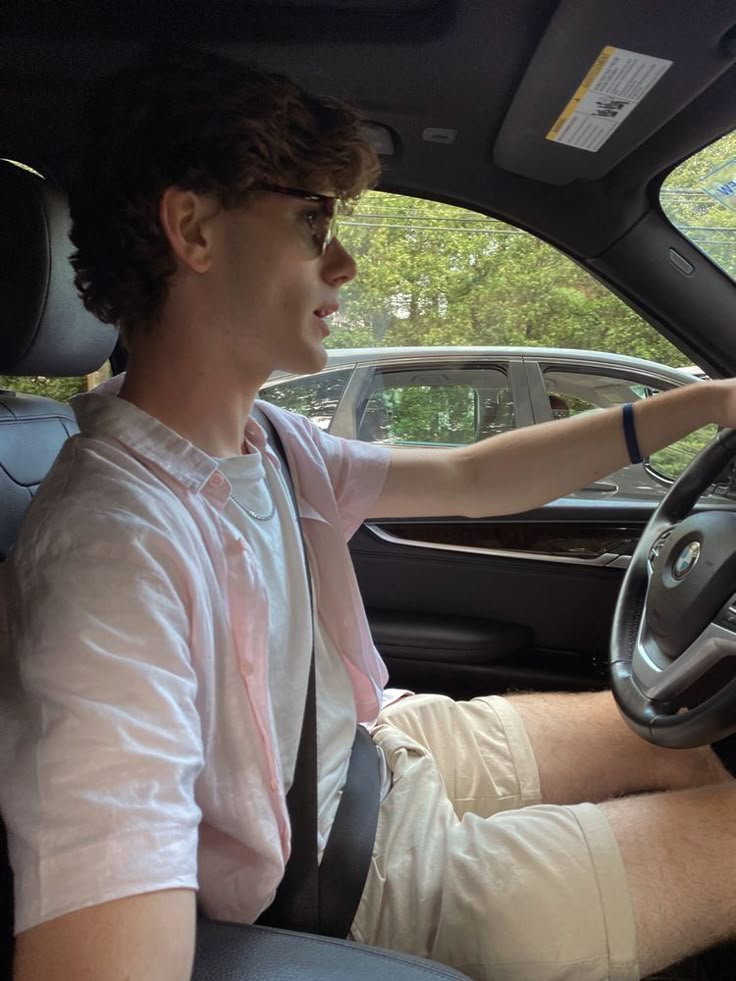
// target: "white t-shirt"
[[278, 549]]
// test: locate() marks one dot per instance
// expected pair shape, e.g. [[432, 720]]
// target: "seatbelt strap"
[[296, 903], [347, 856], [324, 898]]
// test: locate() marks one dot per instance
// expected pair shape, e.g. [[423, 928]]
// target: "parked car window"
[[316, 396], [432, 405], [581, 391], [421, 414], [585, 391]]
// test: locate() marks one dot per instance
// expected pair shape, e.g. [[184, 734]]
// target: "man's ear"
[[186, 218]]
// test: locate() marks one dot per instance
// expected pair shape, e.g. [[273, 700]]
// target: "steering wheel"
[[673, 646]]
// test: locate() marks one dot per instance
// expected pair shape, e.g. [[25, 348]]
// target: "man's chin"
[[308, 362], [321, 357]]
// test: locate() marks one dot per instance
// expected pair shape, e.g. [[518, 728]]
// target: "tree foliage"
[[61, 389], [432, 273], [707, 222]]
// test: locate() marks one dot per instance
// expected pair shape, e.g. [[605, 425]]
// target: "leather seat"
[[47, 331]]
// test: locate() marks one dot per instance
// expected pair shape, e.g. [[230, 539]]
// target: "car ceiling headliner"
[[409, 64]]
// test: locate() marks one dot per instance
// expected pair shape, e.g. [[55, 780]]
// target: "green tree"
[[432, 274], [707, 222], [61, 389]]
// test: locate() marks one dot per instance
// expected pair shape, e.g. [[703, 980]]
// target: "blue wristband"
[[632, 443]]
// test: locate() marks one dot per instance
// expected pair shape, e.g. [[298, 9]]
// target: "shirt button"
[[273, 784], [217, 480]]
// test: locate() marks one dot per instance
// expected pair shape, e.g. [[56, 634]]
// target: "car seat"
[[45, 332]]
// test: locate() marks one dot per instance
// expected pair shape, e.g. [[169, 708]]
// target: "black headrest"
[[44, 328]]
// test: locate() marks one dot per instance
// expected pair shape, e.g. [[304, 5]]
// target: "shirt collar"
[[101, 413]]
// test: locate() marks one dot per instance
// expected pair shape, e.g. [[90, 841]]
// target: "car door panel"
[[526, 601]]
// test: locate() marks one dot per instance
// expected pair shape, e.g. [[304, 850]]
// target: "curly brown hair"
[[194, 120]]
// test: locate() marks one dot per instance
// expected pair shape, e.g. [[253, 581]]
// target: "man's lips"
[[323, 312]]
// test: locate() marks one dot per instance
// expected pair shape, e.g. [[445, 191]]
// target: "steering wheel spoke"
[[697, 673]]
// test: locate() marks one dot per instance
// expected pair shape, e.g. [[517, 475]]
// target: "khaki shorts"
[[470, 869]]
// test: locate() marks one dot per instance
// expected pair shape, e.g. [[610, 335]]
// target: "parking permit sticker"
[[615, 85], [721, 184]]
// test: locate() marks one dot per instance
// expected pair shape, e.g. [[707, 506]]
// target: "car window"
[[672, 460], [61, 389], [699, 198], [315, 396], [432, 274], [421, 414], [572, 392], [430, 404]]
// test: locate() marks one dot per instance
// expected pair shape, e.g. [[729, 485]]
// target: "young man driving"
[[162, 620]]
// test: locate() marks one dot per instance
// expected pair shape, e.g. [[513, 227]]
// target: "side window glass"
[[433, 274], [698, 198], [60, 389], [672, 460], [573, 392], [436, 407], [421, 414], [316, 396]]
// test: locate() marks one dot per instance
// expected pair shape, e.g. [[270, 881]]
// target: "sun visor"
[[604, 78]]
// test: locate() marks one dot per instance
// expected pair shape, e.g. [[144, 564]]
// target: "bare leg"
[[586, 752], [679, 850]]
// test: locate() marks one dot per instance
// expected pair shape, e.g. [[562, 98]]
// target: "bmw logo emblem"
[[686, 560]]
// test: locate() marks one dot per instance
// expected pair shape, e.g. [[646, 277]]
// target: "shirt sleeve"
[[104, 745], [357, 470]]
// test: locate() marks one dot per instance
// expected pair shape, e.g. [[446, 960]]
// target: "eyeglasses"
[[322, 224]]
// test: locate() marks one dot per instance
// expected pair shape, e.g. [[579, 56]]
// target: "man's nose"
[[338, 264]]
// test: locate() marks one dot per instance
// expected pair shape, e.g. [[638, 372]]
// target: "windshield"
[[699, 198]]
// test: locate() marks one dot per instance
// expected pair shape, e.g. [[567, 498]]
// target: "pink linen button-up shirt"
[[138, 743]]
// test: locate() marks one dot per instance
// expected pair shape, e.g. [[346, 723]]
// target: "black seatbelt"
[[296, 903], [347, 855], [322, 898]]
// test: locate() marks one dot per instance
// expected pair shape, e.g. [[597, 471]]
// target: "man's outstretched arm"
[[148, 937], [524, 469]]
